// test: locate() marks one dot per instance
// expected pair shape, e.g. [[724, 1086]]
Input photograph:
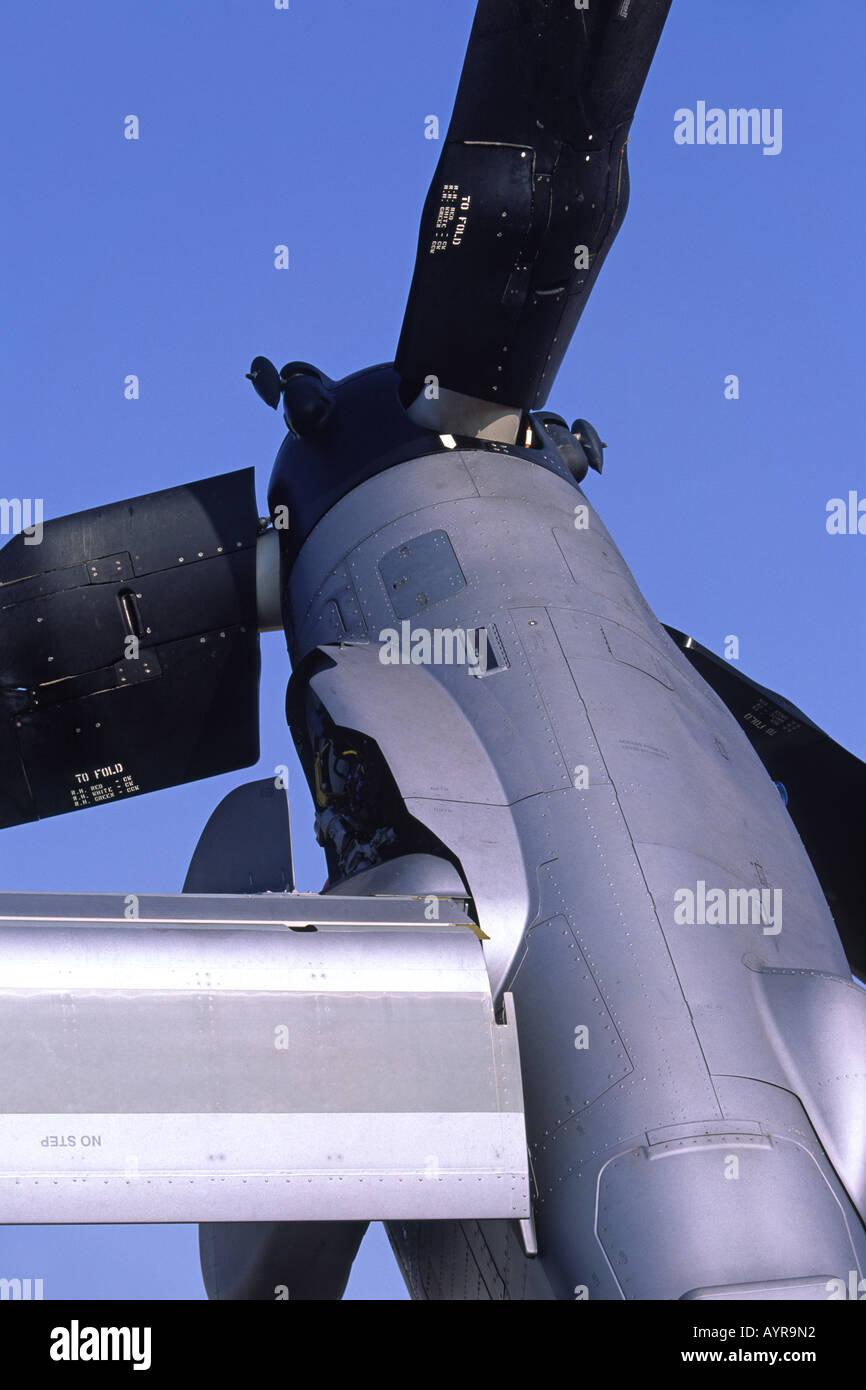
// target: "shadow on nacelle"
[[824, 788]]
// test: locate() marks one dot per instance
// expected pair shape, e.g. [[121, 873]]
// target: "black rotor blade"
[[534, 168]]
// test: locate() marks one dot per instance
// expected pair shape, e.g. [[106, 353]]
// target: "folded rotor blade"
[[528, 195]]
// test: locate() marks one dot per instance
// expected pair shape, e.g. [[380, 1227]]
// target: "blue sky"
[[305, 127]]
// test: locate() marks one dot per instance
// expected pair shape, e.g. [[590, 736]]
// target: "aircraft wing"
[[268, 1057]]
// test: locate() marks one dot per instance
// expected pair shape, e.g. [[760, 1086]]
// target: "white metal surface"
[[203, 1062]]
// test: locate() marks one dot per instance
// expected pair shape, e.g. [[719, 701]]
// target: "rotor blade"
[[129, 649], [528, 195]]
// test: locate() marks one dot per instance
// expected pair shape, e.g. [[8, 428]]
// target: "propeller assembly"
[[528, 195]]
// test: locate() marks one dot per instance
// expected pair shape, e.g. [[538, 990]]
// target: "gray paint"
[[209, 1067], [741, 1043]]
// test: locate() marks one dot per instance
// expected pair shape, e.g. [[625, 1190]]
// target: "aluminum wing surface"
[[824, 786], [129, 649], [193, 1058], [528, 194]]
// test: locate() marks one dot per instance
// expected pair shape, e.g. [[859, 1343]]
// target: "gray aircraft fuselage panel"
[[693, 1045]]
